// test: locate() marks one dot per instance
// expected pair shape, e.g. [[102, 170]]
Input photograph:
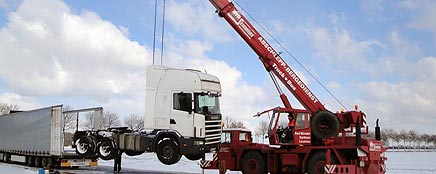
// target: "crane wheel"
[[30, 161], [107, 149], [253, 163], [324, 124], [317, 161], [168, 152]]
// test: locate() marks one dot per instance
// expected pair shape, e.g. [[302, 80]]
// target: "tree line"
[[109, 119], [406, 139]]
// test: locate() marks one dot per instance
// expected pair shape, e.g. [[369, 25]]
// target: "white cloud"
[[423, 12], [25, 103], [405, 104], [339, 45], [197, 17], [47, 50], [373, 9]]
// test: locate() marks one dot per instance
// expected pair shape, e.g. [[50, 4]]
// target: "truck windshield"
[[207, 104]]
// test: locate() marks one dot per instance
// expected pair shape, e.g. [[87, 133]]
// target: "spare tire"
[[324, 124]]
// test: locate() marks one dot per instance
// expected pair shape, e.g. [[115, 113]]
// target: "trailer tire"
[[133, 153], [324, 124], [168, 152], [107, 149], [194, 157], [6, 157], [253, 163], [30, 161], [85, 146], [316, 163], [47, 162], [37, 161]]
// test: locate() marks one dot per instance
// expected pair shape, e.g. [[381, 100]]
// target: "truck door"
[[181, 118]]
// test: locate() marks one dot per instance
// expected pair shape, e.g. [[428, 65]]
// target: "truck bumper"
[[192, 146]]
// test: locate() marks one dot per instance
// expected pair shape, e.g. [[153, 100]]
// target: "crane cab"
[[290, 127]]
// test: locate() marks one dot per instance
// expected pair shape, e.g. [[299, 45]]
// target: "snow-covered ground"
[[398, 163]]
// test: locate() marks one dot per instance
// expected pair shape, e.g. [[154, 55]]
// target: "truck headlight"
[[197, 143]]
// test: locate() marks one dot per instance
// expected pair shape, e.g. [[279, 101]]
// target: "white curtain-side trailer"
[[36, 138]]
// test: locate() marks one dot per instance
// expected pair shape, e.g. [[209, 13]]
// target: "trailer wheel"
[[168, 152], [317, 162], [107, 149], [133, 153], [324, 124], [6, 157], [47, 162], [30, 161], [253, 163], [85, 146], [37, 161], [194, 157]]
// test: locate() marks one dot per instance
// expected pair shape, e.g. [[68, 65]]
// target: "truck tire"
[[133, 153], [7, 157], [85, 146], [253, 163], [194, 157], [107, 149], [324, 124], [47, 162], [37, 161], [317, 162], [168, 152], [30, 161]]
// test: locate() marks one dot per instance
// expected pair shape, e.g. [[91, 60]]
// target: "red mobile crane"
[[319, 142]]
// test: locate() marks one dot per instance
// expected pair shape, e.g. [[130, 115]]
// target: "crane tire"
[[253, 163], [168, 152], [317, 161], [324, 124]]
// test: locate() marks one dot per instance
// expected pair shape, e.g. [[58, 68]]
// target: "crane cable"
[[154, 31], [289, 53]]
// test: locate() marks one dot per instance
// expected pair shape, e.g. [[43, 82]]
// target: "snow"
[[398, 163]]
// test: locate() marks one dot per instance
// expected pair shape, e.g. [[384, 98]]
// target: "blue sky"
[[379, 54]]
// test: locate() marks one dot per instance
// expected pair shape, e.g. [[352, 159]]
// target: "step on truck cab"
[[182, 117]]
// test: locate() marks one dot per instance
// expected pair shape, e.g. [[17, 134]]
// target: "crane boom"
[[270, 58]]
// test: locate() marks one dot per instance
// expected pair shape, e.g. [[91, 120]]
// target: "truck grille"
[[213, 132]]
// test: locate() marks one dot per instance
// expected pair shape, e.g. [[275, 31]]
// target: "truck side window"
[[182, 101]]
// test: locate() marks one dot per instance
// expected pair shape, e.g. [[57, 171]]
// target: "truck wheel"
[[168, 152], [107, 149], [37, 161], [133, 153], [324, 124], [253, 163], [47, 162], [317, 162], [194, 157], [6, 157], [30, 161], [85, 146]]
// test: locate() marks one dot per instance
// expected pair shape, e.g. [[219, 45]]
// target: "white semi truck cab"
[[182, 117]]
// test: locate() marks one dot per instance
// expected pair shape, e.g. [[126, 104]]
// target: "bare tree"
[[89, 120], [111, 119], [262, 130], [8, 107], [134, 122], [227, 121], [69, 118]]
